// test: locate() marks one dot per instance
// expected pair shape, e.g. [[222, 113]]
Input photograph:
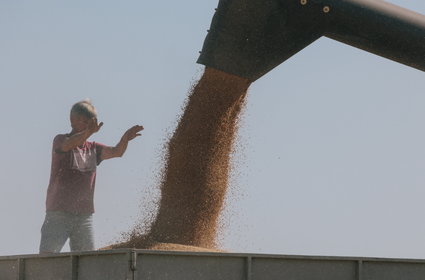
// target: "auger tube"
[[249, 38]]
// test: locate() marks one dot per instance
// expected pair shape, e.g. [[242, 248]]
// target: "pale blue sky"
[[330, 158]]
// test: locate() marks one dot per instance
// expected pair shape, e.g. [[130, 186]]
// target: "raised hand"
[[133, 132], [93, 126]]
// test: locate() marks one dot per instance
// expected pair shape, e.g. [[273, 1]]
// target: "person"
[[69, 202]]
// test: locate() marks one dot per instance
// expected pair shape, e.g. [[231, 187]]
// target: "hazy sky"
[[330, 156]]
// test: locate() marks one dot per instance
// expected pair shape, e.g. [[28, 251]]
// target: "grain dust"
[[196, 174]]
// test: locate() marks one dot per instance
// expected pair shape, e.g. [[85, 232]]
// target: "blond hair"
[[84, 108]]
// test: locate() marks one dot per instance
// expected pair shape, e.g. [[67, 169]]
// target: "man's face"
[[79, 123]]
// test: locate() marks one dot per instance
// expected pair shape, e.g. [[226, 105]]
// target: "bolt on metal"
[[303, 2], [326, 9]]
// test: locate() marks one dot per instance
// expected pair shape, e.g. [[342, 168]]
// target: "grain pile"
[[196, 173]]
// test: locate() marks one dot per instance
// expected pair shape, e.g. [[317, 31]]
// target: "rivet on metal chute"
[[326, 9]]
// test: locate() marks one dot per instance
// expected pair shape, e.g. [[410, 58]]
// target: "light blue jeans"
[[59, 226]]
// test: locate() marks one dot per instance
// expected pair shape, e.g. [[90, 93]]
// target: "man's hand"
[[121, 147], [132, 133], [93, 126]]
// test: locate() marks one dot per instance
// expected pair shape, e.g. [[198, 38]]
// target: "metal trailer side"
[[128, 264]]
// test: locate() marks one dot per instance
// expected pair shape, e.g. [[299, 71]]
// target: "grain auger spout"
[[248, 38]]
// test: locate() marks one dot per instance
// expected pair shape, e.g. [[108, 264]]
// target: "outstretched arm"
[[78, 138], [121, 147]]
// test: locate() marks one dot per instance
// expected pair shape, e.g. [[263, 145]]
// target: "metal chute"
[[248, 38]]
